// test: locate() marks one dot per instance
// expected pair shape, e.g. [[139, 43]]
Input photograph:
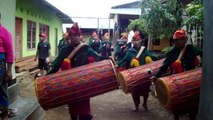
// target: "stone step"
[[13, 91], [27, 109]]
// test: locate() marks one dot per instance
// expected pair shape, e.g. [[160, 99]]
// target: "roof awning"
[[63, 17], [125, 11]]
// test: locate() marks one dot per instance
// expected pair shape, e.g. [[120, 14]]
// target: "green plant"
[[136, 25], [160, 20], [194, 13], [166, 49]]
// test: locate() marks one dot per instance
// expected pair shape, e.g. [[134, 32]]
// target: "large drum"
[[76, 84], [135, 77], [177, 89]]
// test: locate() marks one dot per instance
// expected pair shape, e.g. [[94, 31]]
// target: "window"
[[156, 41], [44, 29], [56, 40], [31, 34]]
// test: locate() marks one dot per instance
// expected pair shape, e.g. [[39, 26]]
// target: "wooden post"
[[98, 25], [149, 43], [205, 111], [109, 29]]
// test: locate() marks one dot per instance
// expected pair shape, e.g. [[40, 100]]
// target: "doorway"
[[18, 38]]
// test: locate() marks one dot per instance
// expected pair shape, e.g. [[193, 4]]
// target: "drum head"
[[162, 92], [122, 82]]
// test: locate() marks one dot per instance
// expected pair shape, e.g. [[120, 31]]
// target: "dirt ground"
[[114, 105]]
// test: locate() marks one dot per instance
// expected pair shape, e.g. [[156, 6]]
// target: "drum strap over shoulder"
[[140, 51], [135, 61], [182, 53], [65, 65], [76, 50]]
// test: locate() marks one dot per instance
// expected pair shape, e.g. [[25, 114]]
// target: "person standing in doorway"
[[42, 53]]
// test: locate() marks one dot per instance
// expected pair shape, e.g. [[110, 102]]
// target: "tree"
[[194, 13], [194, 20], [137, 24], [160, 20]]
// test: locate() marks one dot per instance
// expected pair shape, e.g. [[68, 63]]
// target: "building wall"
[[8, 15], [163, 43], [31, 10]]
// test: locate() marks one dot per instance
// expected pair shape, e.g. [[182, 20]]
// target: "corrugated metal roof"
[[126, 11], [132, 8], [91, 23], [135, 4], [63, 17]]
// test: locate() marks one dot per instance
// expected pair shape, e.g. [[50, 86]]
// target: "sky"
[[87, 8], [87, 12]]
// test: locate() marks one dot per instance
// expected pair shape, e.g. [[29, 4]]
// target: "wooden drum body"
[[175, 90], [138, 76], [76, 84]]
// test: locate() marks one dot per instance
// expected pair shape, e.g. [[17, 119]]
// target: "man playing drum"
[[182, 57], [136, 56], [79, 110], [121, 48], [106, 47], [95, 42]]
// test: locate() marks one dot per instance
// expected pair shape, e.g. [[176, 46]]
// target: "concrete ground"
[[114, 105]]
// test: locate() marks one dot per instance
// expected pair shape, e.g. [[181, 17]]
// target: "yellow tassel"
[[65, 65], [177, 67], [148, 59], [67, 60], [135, 62], [178, 61]]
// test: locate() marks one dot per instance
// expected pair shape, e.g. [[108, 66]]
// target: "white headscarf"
[[130, 36]]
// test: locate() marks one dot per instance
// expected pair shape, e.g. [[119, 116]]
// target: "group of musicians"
[[180, 58]]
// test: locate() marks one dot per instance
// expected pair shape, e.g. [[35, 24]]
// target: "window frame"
[[43, 28], [31, 35], [156, 41]]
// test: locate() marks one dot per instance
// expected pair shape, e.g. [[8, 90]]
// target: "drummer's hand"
[[9, 75], [153, 78], [111, 58], [119, 68], [112, 49]]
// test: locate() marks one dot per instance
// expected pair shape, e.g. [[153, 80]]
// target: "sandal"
[[11, 112]]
